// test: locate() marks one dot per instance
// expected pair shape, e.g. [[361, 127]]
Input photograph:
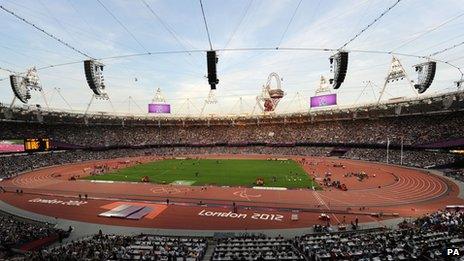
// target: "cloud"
[[325, 24]]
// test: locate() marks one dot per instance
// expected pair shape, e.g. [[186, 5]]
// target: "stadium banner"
[[159, 108], [11, 146], [324, 100]]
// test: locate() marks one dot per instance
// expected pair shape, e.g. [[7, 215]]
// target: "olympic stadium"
[[231, 130]]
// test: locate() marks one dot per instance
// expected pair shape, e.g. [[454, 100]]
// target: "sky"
[[106, 28]]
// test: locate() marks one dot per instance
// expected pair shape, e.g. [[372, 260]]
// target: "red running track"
[[394, 189]]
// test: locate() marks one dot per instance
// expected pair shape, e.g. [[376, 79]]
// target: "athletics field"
[[220, 172]]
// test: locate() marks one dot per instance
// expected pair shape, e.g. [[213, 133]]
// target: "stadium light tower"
[[324, 86], [396, 73], [368, 84], [210, 99], [158, 104], [159, 97]]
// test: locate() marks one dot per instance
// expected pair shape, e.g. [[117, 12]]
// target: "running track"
[[395, 189]]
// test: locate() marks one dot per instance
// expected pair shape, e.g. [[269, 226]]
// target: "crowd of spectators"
[[455, 173], [411, 158], [413, 130], [427, 238], [11, 165], [255, 248], [447, 220], [15, 232], [266, 138], [116, 247]]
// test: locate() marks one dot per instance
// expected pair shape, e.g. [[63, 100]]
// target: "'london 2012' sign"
[[230, 214]]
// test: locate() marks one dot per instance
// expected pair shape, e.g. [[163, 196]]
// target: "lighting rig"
[[210, 99], [396, 73], [158, 104]]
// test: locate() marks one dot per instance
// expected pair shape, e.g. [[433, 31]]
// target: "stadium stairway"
[[210, 249], [38, 244], [338, 151]]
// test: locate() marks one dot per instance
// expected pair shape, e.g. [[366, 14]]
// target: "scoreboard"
[[41, 144]]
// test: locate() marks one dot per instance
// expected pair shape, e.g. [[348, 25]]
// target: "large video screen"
[[159, 108], [324, 100], [31, 145], [11, 146]]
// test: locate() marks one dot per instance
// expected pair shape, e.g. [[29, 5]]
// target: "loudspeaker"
[[89, 74], [426, 74], [93, 74], [340, 61], [20, 90], [212, 60]]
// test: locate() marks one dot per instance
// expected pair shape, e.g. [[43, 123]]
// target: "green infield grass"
[[223, 172]]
